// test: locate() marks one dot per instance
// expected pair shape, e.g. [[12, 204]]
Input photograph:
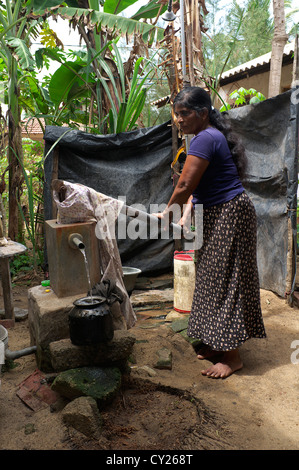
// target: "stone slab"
[[65, 355], [101, 384], [153, 297]]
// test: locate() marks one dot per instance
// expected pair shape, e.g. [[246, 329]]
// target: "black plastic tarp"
[[269, 131], [136, 165], [133, 165]]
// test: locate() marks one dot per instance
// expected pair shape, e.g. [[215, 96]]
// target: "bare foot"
[[230, 363]]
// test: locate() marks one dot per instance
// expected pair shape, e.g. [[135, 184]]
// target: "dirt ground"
[[179, 409]]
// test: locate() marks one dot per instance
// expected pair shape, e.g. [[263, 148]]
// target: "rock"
[[145, 283], [144, 371], [65, 355], [180, 325], [20, 314], [29, 428], [84, 416], [162, 284], [102, 384], [153, 297], [164, 359], [174, 315], [196, 343]]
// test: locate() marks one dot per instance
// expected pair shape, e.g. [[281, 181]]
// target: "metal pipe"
[[76, 241], [145, 217], [20, 353], [183, 40]]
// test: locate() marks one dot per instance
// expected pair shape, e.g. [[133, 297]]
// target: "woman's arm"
[[187, 213], [191, 175]]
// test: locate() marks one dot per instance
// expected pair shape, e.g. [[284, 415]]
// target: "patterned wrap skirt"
[[226, 308]]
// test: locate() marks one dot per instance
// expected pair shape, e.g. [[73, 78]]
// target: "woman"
[[226, 304]]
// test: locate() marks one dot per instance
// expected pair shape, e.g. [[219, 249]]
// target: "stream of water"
[[87, 273]]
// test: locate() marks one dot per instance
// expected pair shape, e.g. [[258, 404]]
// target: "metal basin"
[[130, 276]]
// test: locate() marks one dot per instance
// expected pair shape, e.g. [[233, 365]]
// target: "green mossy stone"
[[164, 359], [180, 325], [100, 383], [196, 343]]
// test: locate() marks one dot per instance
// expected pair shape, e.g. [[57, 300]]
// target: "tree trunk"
[[279, 40], [15, 154], [15, 159]]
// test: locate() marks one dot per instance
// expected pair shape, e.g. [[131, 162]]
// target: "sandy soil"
[[255, 409]]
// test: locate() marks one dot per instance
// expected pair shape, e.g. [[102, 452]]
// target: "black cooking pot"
[[90, 321]]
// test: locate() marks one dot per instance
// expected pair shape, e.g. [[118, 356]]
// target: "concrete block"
[[67, 268], [65, 355], [48, 317], [48, 321]]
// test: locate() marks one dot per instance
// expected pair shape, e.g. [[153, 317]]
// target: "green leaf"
[[242, 91], [44, 53], [253, 100], [47, 4], [109, 73], [77, 91], [234, 95], [92, 17], [62, 81], [240, 100], [112, 103], [3, 92], [37, 94], [225, 107], [251, 91], [150, 10], [111, 122], [21, 51], [116, 6], [139, 107], [121, 117], [260, 96], [93, 4], [121, 71]]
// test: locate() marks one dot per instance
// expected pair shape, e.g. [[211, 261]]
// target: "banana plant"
[[75, 80], [124, 117], [109, 18], [31, 221], [18, 21], [15, 32], [96, 28]]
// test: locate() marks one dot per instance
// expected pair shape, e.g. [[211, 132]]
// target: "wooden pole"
[[279, 40]]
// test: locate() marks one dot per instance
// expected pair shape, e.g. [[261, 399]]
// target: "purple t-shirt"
[[220, 182]]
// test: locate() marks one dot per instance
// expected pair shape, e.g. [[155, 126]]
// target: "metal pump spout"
[[76, 241]]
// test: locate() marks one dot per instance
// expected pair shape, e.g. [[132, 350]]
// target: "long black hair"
[[197, 98]]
